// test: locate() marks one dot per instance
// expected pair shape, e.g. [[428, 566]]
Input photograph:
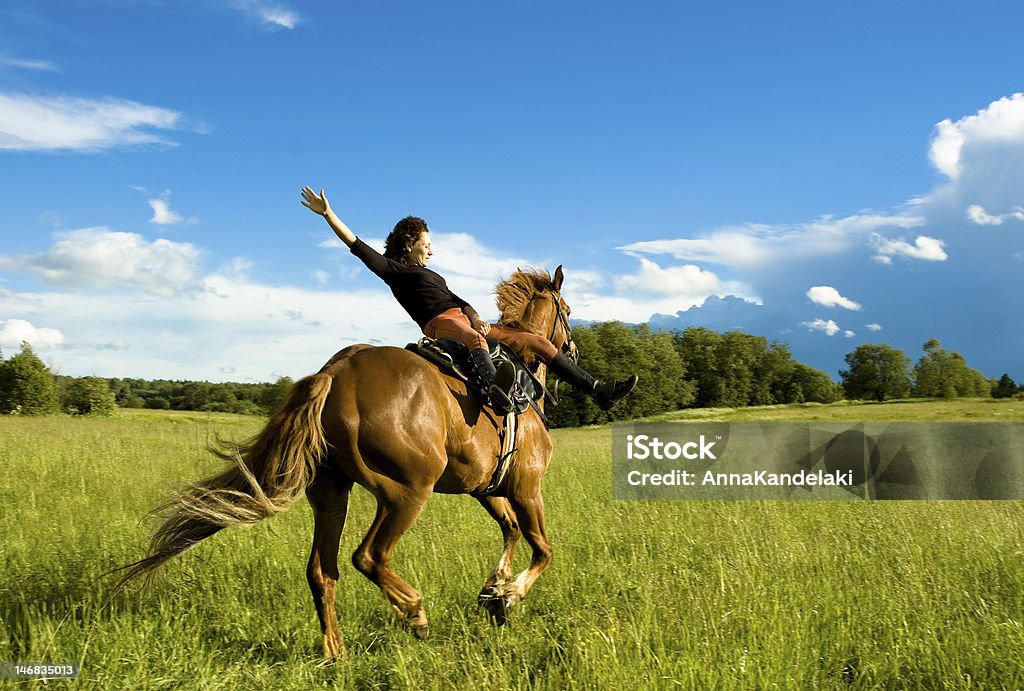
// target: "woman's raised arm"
[[317, 203]]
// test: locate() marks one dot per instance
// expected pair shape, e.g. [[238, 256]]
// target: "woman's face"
[[420, 252]]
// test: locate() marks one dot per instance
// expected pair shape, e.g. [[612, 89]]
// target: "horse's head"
[[531, 300]]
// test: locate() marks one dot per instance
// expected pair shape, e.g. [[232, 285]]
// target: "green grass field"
[[640, 594]]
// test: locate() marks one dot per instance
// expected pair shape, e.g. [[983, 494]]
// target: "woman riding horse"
[[440, 313], [389, 421]]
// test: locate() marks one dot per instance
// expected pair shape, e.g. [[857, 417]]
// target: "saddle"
[[452, 358]]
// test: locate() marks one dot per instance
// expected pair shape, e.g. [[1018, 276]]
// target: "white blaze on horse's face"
[[421, 251]]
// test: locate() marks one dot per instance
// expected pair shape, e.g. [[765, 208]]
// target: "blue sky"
[[827, 174]]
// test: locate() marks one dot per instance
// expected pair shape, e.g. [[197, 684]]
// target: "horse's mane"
[[515, 293]]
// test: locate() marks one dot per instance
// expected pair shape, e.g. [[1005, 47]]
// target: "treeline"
[[226, 397], [692, 368], [706, 369], [880, 372], [28, 387]]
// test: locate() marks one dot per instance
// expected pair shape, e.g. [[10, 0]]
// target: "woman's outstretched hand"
[[317, 203], [314, 202]]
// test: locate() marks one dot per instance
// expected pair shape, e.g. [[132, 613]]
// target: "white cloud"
[[337, 244], [55, 123], [686, 280], [946, 147], [828, 326], [271, 15], [979, 216], [1002, 121], [924, 248], [849, 334], [758, 245], [460, 254], [102, 257], [828, 296], [227, 329], [163, 215], [321, 277], [14, 331], [873, 327], [21, 63], [651, 290]]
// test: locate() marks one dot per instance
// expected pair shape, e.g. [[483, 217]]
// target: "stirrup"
[[500, 391]]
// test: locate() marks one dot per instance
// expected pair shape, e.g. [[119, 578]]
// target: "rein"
[[562, 318], [569, 347]]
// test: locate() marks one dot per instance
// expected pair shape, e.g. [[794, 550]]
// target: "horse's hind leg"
[[328, 495], [490, 597], [395, 515]]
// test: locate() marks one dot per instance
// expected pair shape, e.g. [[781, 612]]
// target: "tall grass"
[[663, 594]]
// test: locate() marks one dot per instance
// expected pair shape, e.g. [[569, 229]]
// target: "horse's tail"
[[268, 473]]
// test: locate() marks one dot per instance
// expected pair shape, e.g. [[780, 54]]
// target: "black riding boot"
[[605, 393], [493, 386]]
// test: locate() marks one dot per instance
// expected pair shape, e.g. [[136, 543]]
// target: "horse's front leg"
[[530, 512], [491, 597]]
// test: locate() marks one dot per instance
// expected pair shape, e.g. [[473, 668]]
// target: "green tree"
[[942, 373], [273, 395], [26, 385], [574, 408], [981, 387], [773, 374], [194, 395], [739, 354], [89, 396], [613, 350], [699, 349], [158, 403], [736, 369], [876, 372], [667, 386], [808, 385], [1004, 388]]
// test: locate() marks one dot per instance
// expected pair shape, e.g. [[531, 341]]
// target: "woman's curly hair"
[[403, 237]]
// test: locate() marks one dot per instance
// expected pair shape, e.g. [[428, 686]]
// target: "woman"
[[440, 313]]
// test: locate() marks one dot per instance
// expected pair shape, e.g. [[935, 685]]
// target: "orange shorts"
[[455, 324]]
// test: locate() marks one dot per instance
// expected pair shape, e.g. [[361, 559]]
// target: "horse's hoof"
[[497, 606], [333, 648]]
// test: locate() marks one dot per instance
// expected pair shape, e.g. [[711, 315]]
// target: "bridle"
[[561, 318], [569, 347]]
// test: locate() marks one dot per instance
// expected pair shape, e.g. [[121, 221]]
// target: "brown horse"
[[388, 420]]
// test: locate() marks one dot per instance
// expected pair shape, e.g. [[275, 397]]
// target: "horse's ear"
[[559, 277]]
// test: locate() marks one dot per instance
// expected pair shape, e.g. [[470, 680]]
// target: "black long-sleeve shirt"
[[421, 292]]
